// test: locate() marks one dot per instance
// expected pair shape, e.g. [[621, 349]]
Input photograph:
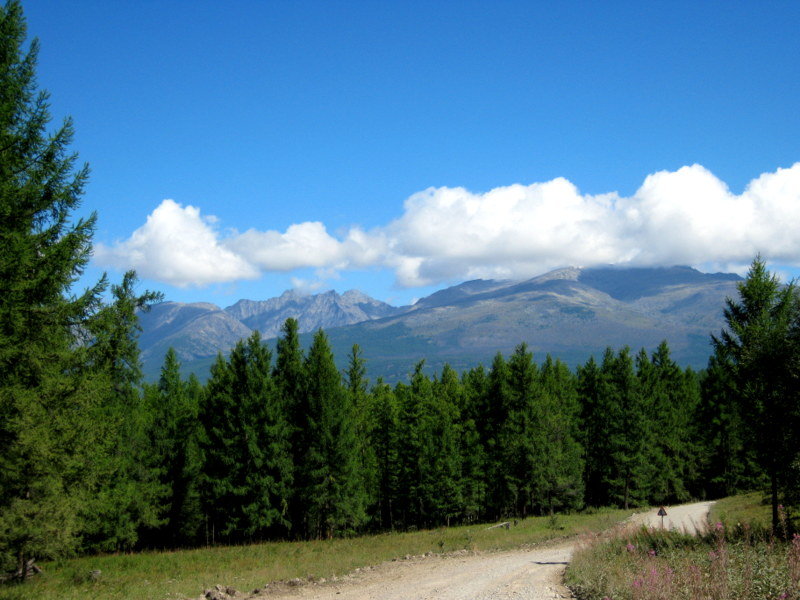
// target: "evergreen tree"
[[365, 424], [558, 479], [629, 433], [246, 474], [47, 396], [385, 442], [520, 437], [412, 431], [127, 495], [671, 398], [493, 414], [595, 427], [333, 493], [727, 461], [473, 452], [443, 452], [290, 381], [173, 405], [758, 347]]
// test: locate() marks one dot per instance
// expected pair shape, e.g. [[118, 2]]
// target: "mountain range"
[[570, 313]]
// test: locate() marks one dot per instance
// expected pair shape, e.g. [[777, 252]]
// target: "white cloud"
[[687, 216], [177, 246]]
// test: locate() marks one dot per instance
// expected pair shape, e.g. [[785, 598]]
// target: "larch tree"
[[246, 469], [126, 497], [46, 393], [333, 493], [757, 345]]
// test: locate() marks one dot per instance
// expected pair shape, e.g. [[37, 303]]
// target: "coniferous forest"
[[284, 446]]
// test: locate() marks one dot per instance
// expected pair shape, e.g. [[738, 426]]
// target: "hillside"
[[570, 313]]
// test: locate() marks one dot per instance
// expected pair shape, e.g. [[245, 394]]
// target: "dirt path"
[[685, 517], [532, 574]]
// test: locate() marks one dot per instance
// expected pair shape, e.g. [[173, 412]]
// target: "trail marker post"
[[662, 512]]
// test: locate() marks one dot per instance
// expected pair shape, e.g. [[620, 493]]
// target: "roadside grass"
[[750, 508], [172, 575], [737, 559]]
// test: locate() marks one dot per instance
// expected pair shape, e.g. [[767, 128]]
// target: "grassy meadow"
[[186, 573], [737, 559]]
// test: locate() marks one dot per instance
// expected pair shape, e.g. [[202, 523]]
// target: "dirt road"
[[686, 517], [533, 574]]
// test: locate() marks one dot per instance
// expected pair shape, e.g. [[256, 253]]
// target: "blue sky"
[[398, 147]]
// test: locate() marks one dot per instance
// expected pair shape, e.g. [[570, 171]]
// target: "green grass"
[[186, 573], [745, 508], [738, 559]]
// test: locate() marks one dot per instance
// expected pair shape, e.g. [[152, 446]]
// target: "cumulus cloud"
[[686, 216], [178, 246]]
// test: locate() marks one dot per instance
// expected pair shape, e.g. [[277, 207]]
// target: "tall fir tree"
[[758, 347], [385, 442], [47, 397], [333, 495], [493, 414], [174, 455], [629, 433], [127, 496], [727, 460], [246, 467], [364, 422], [595, 431], [290, 380], [671, 398], [521, 434], [442, 453], [559, 467], [473, 452]]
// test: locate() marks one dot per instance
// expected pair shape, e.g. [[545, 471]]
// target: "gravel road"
[[688, 518], [532, 574]]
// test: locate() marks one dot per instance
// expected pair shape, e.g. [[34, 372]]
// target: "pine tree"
[[365, 424], [757, 345], [409, 510], [629, 433], [493, 414], [174, 454], [727, 462], [595, 427], [127, 494], [333, 494], [671, 398], [473, 452], [385, 442], [559, 468], [519, 438], [442, 453], [290, 381], [246, 468], [47, 396]]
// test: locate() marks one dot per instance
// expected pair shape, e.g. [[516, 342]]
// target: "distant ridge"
[[571, 313]]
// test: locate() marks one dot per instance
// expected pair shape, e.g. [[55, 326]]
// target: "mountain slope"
[[194, 330], [198, 331], [324, 310], [570, 313]]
